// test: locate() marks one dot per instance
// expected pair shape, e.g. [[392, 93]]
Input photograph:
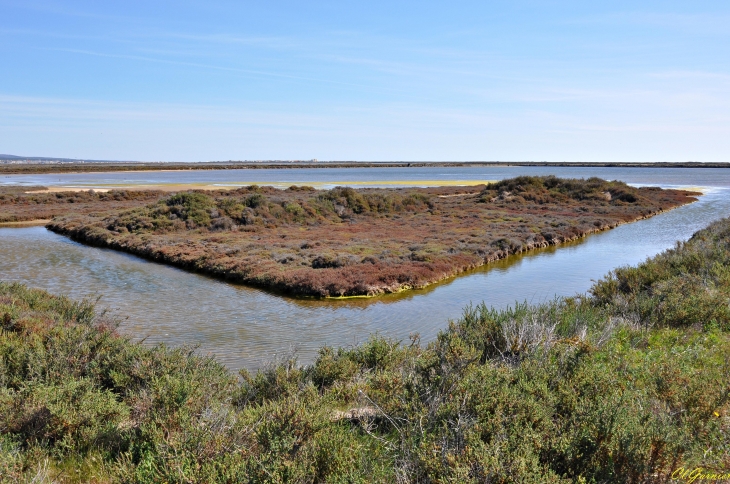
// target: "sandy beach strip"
[[25, 223]]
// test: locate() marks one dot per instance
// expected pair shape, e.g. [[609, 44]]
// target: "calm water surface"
[[328, 177], [246, 327]]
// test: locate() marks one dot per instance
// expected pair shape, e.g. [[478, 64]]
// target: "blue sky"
[[219, 80]]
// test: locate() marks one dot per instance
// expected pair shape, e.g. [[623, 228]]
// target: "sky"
[[190, 80]]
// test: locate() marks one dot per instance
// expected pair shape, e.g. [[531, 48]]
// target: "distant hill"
[[48, 159]]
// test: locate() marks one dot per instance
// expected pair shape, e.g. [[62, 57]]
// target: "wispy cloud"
[[249, 72], [505, 77], [35, 108]]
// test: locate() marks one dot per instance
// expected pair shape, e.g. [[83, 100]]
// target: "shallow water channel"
[[247, 327]]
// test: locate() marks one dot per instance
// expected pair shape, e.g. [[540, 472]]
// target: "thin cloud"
[[249, 72]]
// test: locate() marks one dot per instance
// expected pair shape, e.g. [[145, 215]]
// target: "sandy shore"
[[25, 223]]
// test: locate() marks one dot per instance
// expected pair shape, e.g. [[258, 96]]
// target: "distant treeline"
[[73, 167]]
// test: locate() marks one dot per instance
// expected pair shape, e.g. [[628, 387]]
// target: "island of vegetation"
[[346, 242], [629, 383], [28, 204]]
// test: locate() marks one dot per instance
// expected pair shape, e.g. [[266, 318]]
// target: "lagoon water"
[[371, 177], [246, 327]]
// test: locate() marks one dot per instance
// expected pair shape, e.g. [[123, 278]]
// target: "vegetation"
[[628, 383], [346, 242], [19, 204]]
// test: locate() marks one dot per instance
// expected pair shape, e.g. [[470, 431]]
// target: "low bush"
[[549, 188], [688, 285]]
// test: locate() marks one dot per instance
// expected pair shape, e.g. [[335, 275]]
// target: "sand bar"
[[25, 223]]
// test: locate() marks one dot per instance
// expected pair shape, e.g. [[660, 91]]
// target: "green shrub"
[[72, 414], [256, 200], [687, 285], [192, 207]]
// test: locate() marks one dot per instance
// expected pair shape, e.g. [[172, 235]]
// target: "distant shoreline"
[[72, 167]]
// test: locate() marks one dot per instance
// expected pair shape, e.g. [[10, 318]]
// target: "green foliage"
[[254, 201], [295, 210], [551, 188], [192, 207], [69, 414], [685, 286], [370, 202]]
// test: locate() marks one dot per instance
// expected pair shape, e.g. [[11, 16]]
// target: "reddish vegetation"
[[346, 242], [16, 205]]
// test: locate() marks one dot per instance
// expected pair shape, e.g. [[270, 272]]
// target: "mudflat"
[[363, 242]]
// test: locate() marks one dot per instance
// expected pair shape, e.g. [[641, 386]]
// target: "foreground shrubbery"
[[626, 384]]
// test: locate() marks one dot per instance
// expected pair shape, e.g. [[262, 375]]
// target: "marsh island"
[[348, 242]]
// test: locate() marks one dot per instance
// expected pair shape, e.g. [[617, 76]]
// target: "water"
[[246, 327], [329, 177]]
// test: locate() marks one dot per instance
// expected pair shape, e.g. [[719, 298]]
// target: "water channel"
[[247, 327]]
